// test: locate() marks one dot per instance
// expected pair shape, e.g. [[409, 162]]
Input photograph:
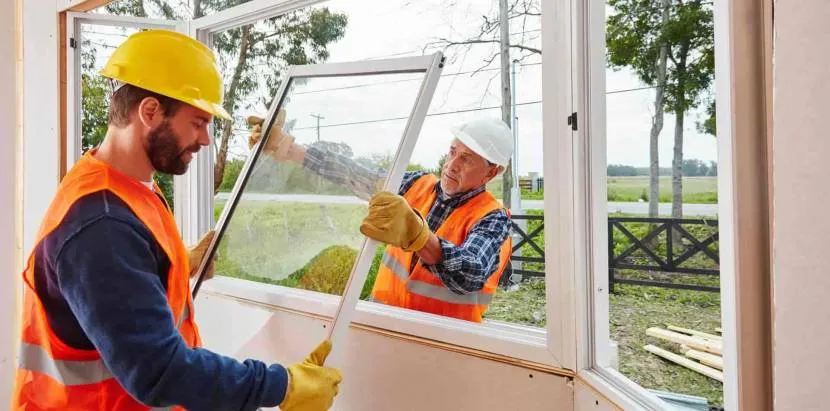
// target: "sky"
[[397, 28]]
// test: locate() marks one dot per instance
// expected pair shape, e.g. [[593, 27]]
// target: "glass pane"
[[298, 218], [662, 196], [469, 88], [97, 44]]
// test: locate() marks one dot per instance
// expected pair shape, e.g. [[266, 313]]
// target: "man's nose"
[[204, 139], [453, 164]]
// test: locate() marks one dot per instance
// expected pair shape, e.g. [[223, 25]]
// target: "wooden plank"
[[694, 332], [712, 360], [694, 366], [715, 347], [82, 5]]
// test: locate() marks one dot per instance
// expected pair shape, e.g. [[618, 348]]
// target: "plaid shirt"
[[466, 267]]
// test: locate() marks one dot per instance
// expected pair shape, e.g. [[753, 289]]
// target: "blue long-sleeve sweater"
[[102, 279]]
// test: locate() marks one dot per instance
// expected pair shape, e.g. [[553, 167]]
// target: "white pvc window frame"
[[74, 95], [429, 65], [74, 21], [586, 159], [551, 347]]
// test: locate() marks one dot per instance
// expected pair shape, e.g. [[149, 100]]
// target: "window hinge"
[[572, 121], [72, 42]]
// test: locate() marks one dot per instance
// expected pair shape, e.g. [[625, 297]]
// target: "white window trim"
[[592, 288], [73, 65], [514, 341], [74, 135], [510, 340]]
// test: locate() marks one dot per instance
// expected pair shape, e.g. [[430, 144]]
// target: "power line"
[[404, 80], [632, 89], [443, 113], [448, 112]]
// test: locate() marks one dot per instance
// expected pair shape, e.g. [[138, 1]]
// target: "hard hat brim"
[[473, 145]]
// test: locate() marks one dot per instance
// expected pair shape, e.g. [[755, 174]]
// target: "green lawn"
[[696, 190], [273, 240]]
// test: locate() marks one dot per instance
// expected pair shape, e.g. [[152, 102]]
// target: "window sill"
[[620, 391], [492, 339]]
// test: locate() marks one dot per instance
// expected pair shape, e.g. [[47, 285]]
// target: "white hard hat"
[[489, 138]]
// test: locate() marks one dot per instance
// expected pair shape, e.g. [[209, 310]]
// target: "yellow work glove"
[[196, 253], [392, 221], [311, 386], [279, 143]]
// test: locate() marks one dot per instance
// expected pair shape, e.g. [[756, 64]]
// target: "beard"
[[164, 152]]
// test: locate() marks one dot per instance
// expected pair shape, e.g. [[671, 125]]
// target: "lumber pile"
[[699, 351]]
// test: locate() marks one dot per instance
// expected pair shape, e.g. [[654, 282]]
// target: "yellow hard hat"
[[171, 64]]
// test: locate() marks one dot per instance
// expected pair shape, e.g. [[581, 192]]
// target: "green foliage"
[[635, 34], [165, 183], [697, 168], [329, 271], [275, 239], [709, 125], [622, 170], [232, 170], [373, 273], [95, 103]]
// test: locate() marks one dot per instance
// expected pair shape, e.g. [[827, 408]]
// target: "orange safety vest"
[[50, 374], [420, 289]]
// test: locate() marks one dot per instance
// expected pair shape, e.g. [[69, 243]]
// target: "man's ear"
[[495, 171], [150, 112]]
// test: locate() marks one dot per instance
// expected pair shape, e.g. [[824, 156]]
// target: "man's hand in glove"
[[280, 146], [195, 255], [311, 386], [392, 221]]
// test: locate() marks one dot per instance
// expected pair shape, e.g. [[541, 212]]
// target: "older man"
[[447, 240]]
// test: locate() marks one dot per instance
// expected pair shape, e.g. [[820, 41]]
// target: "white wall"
[[39, 168], [380, 372], [802, 202], [40, 115], [8, 161]]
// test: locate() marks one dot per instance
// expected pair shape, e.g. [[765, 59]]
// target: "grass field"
[[696, 190]]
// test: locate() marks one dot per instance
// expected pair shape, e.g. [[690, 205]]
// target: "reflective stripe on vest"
[[430, 290], [67, 372]]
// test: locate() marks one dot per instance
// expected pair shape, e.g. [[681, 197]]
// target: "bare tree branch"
[[448, 43]]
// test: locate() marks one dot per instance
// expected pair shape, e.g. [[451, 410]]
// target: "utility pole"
[[516, 196], [504, 27], [318, 117]]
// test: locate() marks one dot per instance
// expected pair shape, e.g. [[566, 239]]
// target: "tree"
[[709, 124], [262, 51], [495, 30], [695, 168], [640, 45], [638, 32], [618, 170]]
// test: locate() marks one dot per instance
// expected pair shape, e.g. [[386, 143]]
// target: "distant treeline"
[[691, 168]]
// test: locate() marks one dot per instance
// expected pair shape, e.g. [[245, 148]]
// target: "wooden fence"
[[643, 245]]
